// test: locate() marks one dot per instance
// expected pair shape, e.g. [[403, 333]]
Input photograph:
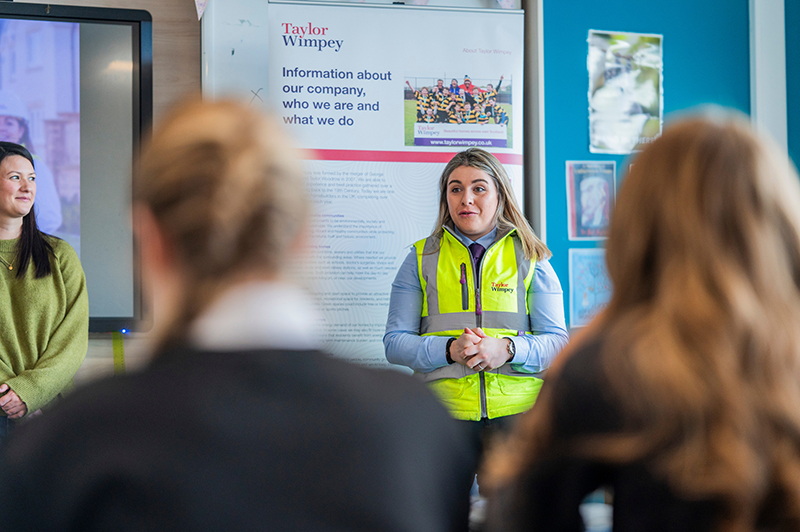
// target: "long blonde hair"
[[701, 339], [225, 187], [508, 215]]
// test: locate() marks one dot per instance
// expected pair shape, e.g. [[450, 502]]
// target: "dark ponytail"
[[32, 244]]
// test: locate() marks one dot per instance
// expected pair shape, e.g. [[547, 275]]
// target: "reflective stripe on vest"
[[453, 300]]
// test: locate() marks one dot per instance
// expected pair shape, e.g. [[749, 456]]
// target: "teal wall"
[[793, 77], [706, 60]]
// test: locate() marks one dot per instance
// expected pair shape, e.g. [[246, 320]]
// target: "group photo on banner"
[[467, 114]]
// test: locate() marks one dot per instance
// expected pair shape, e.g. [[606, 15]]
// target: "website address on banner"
[[460, 142]]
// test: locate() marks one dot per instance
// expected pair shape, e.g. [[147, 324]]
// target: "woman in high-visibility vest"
[[476, 309]]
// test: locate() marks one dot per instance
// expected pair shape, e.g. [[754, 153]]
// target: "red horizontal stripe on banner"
[[397, 156]]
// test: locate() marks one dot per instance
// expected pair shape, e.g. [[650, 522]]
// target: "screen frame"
[[141, 23]]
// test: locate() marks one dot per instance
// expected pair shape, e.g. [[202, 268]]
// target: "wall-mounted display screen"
[[76, 90]]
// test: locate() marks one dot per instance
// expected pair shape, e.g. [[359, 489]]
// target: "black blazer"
[[241, 441]]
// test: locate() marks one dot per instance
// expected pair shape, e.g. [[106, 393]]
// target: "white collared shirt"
[[262, 314]]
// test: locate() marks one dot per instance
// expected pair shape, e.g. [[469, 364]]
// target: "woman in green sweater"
[[44, 309]]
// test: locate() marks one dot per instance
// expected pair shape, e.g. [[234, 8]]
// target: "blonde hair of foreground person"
[[701, 339], [219, 198], [508, 215]]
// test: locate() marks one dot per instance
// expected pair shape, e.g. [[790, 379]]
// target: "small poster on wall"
[[626, 81], [589, 285], [590, 198]]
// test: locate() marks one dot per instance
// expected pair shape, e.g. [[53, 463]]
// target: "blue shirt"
[[534, 353]]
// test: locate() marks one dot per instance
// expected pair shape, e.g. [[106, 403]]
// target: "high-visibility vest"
[[495, 299]]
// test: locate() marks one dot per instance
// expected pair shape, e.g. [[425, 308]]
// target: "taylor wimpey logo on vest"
[[501, 287], [309, 36]]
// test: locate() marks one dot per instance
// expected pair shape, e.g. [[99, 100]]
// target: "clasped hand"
[[479, 352], [11, 404]]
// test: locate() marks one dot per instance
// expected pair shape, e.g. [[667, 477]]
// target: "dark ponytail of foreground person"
[[699, 347], [32, 244]]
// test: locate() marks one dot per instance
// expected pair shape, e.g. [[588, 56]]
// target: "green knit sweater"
[[44, 325]]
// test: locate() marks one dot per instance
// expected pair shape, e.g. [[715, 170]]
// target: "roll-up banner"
[[381, 97]]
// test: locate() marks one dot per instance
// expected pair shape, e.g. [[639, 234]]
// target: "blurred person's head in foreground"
[[700, 342], [239, 398], [219, 199]]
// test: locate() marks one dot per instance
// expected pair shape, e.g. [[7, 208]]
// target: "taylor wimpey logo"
[[309, 36], [501, 287]]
